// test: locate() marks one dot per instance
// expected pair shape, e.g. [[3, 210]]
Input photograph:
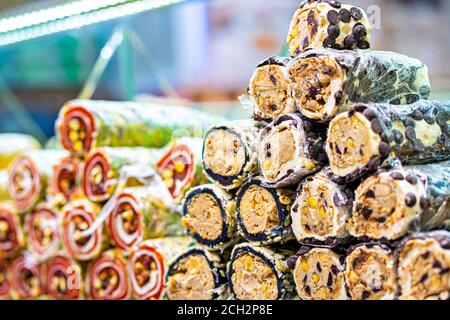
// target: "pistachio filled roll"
[[5, 281], [84, 124], [107, 277], [370, 272], [12, 144], [290, 148], [320, 211], [390, 204], [328, 82], [11, 236], [65, 180], [26, 278], [148, 264], [263, 213], [328, 24], [423, 268], [102, 169], [196, 274], [319, 274], [259, 273], [270, 90], [229, 152], [29, 176], [63, 278], [181, 167], [41, 228], [361, 139]]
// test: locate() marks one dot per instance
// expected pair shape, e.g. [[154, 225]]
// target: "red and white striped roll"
[[63, 278], [107, 277], [11, 237], [77, 217], [148, 263], [5, 282], [41, 228], [26, 278], [65, 179]]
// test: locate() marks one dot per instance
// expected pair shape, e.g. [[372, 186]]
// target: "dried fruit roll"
[[361, 139], [63, 278], [370, 272], [197, 274], [181, 166], [84, 124], [77, 218], [328, 24], [270, 90], [263, 213], [229, 152], [142, 213], [259, 273], [107, 277], [4, 195], [148, 264], [209, 215], [41, 228], [320, 211], [102, 169], [423, 270], [26, 278], [29, 175], [390, 204], [11, 236], [290, 148], [328, 82], [5, 281], [12, 144], [65, 180]]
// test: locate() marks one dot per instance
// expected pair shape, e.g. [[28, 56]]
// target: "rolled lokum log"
[[390, 204], [328, 82], [4, 195], [320, 211], [196, 274], [423, 267], [107, 277], [148, 264], [65, 180], [328, 24], [26, 278], [270, 90], [361, 139], [181, 167], [83, 124], [209, 215], [259, 273], [11, 236], [319, 274], [263, 213], [77, 218], [290, 148], [102, 169], [229, 152], [142, 213], [12, 144], [5, 281], [29, 176], [63, 278], [370, 272], [41, 228]]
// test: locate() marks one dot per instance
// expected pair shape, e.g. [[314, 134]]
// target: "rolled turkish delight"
[[5, 280], [263, 212], [370, 272], [26, 278], [270, 90], [259, 273], [328, 82], [390, 204], [423, 267], [197, 274], [361, 139], [319, 274], [229, 152], [65, 181], [320, 211], [328, 24], [11, 235], [290, 148], [209, 215]]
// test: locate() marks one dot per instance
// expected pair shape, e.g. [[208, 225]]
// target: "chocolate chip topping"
[[384, 149], [333, 17], [350, 42], [333, 31], [356, 13], [396, 176], [360, 32], [363, 45], [417, 115], [329, 42], [412, 179], [410, 200], [344, 15], [375, 125], [370, 194], [366, 212], [369, 113]]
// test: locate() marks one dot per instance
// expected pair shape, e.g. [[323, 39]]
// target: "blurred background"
[[199, 50]]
